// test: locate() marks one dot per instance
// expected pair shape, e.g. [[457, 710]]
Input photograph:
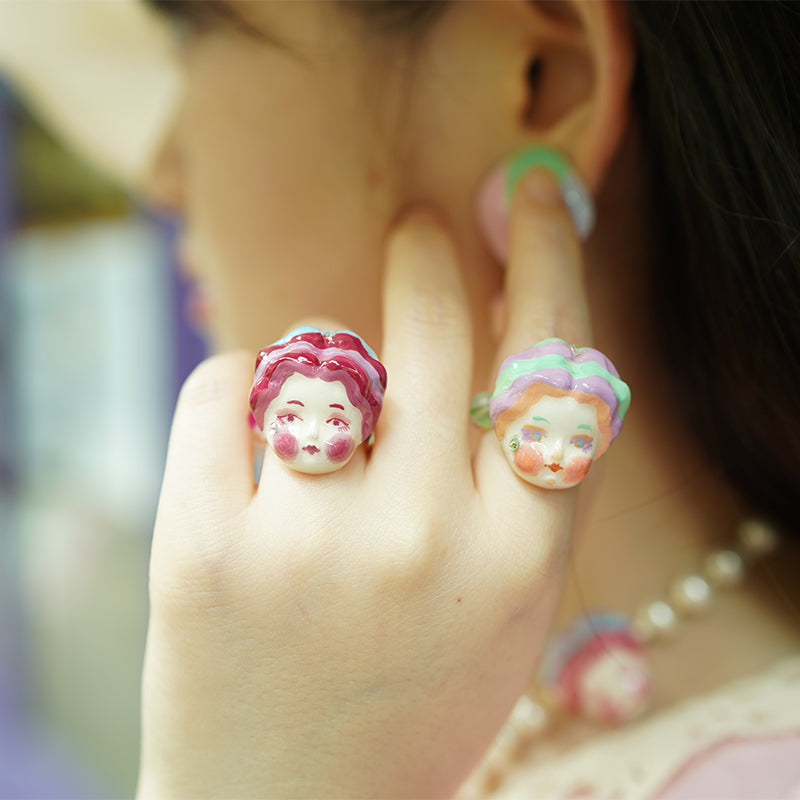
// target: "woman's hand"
[[362, 633]]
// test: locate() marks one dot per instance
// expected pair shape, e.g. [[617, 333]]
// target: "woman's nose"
[[162, 184]]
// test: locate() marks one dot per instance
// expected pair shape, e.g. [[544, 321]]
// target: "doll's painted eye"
[[582, 442], [336, 422], [533, 434], [288, 419]]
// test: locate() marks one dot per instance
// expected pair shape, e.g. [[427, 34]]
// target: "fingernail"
[[573, 191], [552, 180], [540, 185]]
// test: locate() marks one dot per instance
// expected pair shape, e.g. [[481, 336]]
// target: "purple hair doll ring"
[[316, 397], [555, 409]]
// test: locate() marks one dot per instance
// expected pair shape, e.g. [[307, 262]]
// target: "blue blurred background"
[[93, 349]]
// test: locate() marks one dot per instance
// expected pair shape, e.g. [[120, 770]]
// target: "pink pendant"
[[598, 669]]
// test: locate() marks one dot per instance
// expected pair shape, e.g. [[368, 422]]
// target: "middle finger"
[[427, 350]]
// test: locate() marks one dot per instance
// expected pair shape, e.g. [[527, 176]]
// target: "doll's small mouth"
[[554, 467], [311, 449]]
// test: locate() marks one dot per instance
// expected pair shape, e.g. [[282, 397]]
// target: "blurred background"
[[93, 349]]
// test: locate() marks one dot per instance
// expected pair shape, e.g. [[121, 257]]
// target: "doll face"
[[553, 444], [312, 426]]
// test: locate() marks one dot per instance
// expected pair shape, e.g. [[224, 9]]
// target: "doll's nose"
[[557, 451], [312, 432]]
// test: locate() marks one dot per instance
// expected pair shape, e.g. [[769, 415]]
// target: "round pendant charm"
[[598, 669]]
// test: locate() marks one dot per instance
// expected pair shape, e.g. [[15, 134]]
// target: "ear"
[[575, 72]]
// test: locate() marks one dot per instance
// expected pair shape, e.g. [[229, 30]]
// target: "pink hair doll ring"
[[555, 409], [316, 397]]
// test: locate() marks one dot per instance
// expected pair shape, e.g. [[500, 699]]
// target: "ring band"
[[555, 409], [316, 397]]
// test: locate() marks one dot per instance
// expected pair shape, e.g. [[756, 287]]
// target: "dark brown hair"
[[716, 88]]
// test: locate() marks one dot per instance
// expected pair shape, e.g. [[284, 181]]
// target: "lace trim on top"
[[636, 762]]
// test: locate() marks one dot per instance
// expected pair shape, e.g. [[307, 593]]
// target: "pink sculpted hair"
[[329, 355]]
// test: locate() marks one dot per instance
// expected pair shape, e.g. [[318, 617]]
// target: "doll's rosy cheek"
[[285, 445], [577, 468], [339, 448], [528, 459]]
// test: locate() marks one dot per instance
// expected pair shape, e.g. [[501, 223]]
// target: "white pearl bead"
[[528, 717], [504, 748], [691, 594], [654, 620], [724, 568], [757, 537]]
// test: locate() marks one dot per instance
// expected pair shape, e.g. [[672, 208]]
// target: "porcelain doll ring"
[[555, 409], [316, 396]]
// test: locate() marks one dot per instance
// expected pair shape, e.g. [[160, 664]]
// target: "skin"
[[296, 157], [290, 622]]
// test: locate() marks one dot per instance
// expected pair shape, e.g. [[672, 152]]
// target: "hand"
[[363, 633]]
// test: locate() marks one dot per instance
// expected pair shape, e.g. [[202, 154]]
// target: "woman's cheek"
[[286, 446], [577, 468], [528, 459], [339, 448]]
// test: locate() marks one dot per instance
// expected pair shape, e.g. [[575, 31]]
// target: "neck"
[[653, 507]]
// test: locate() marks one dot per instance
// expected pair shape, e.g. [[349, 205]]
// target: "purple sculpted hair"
[[553, 367], [328, 355]]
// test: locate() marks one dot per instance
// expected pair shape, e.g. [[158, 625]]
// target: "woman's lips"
[[198, 306]]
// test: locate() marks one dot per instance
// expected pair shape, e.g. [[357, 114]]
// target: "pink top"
[[740, 769]]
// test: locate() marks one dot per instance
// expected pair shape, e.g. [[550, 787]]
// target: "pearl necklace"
[[598, 668]]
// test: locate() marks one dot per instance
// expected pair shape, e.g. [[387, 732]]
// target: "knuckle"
[[439, 316], [193, 577], [550, 226], [549, 237], [410, 557], [425, 276], [212, 379], [532, 565], [545, 567], [420, 233]]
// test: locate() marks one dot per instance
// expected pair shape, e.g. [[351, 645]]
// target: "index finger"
[[545, 298], [209, 471], [544, 290]]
